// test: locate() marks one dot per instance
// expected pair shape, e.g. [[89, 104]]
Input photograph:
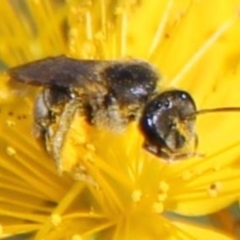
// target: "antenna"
[[212, 110]]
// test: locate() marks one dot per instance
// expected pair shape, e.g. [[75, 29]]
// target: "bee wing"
[[58, 71]]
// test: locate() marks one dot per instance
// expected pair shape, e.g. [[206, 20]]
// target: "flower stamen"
[[203, 49], [214, 189], [158, 35], [55, 219], [136, 195]]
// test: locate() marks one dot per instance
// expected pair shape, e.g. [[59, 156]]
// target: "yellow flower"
[[126, 193]]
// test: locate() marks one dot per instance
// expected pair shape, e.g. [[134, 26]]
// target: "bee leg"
[[43, 118], [64, 123], [116, 122], [106, 114], [40, 114], [53, 112], [48, 105]]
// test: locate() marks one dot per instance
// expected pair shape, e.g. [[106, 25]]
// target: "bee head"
[[168, 131]]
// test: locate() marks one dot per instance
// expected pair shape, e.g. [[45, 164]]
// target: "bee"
[[110, 95]]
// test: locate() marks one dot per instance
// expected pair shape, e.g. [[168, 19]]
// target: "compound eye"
[[165, 122]]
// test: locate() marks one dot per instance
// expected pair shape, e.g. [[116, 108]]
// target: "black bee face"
[[167, 126]]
